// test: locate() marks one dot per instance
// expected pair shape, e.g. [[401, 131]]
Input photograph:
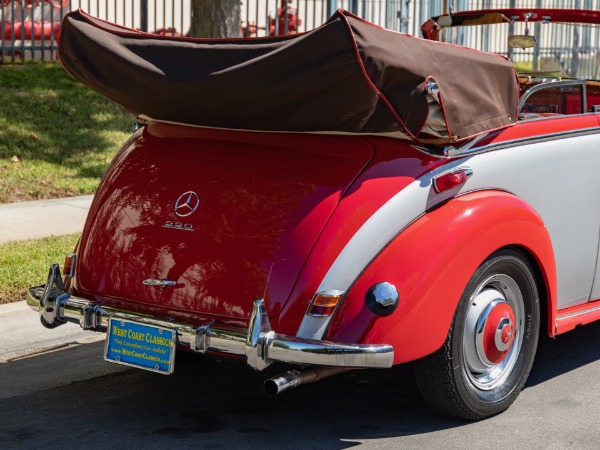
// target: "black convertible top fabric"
[[347, 76]]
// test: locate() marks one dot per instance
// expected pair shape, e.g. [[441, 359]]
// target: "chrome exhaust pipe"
[[294, 378]]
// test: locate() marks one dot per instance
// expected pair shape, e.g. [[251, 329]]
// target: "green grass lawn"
[[56, 135], [25, 264]]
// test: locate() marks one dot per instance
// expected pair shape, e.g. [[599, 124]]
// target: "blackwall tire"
[[487, 356]]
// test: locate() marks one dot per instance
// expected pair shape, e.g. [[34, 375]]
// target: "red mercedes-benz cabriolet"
[[375, 200]]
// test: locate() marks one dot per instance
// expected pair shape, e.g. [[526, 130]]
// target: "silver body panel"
[[558, 178]]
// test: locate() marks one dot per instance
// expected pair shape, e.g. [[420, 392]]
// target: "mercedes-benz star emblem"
[[187, 203]]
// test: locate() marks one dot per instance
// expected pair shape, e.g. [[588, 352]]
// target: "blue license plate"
[[144, 346]]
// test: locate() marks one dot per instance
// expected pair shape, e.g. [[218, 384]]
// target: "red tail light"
[[324, 303], [69, 267], [449, 180]]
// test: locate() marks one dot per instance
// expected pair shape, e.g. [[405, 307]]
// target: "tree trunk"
[[216, 18]]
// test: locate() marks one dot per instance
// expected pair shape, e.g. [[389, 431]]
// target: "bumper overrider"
[[259, 343]]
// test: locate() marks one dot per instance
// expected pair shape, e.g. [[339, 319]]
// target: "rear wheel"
[[487, 356]]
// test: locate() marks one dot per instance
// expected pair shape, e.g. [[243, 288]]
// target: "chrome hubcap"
[[493, 332]]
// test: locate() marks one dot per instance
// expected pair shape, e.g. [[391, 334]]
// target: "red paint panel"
[[503, 311], [394, 167], [431, 262], [431, 30], [539, 128], [264, 200]]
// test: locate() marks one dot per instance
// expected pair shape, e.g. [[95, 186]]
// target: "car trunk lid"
[[222, 216]]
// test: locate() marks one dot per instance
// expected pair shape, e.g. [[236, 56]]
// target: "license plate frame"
[[140, 345]]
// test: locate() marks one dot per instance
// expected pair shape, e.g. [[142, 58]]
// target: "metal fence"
[[566, 49], [29, 29]]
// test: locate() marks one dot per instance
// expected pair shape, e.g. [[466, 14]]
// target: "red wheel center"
[[498, 333]]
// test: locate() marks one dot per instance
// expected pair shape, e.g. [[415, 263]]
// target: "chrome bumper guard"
[[259, 343]]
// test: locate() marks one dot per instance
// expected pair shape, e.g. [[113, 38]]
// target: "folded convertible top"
[[347, 76]]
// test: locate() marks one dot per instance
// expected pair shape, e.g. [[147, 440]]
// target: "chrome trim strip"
[[451, 150], [578, 313], [259, 343], [527, 140]]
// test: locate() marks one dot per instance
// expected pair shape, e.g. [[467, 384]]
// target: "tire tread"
[[435, 379]]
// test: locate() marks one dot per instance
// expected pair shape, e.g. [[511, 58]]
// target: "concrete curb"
[[22, 334]]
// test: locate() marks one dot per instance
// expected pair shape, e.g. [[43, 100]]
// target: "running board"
[[570, 318]]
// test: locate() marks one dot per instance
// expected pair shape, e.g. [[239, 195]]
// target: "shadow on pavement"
[[565, 353], [213, 403]]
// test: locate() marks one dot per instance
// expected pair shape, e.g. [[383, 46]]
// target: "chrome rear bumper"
[[259, 343]]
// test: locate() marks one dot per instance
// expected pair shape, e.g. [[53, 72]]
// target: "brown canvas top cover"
[[347, 76]]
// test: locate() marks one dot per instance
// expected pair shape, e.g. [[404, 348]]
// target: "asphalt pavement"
[[21, 334], [57, 391]]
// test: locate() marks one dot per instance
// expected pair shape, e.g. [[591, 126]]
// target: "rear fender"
[[431, 262]]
